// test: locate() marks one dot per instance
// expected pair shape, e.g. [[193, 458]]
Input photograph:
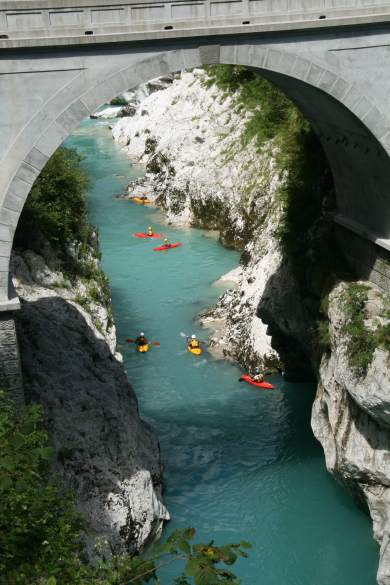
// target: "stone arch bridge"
[[63, 59]]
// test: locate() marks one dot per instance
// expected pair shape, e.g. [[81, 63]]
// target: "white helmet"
[[193, 336], [142, 334]]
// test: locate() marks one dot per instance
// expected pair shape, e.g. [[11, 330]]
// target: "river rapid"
[[241, 463]]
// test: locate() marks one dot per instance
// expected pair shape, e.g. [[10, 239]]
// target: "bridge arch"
[[354, 132]]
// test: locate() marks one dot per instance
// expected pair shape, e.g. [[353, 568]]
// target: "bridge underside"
[[46, 93], [361, 172]]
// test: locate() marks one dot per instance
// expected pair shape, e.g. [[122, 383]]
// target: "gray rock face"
[[196, 175], [350, 419], [104, 453]]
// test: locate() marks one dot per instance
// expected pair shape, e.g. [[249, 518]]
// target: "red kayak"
[[168, 247], [261, 384], [147, 235]]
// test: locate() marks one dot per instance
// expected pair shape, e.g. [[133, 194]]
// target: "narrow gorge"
[[236, 174], [269, 192]]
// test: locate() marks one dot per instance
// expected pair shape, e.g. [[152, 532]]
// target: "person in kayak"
[[192, 342], [143, 197], [141, 340], [150, 232], [167, 243], [258, 377]]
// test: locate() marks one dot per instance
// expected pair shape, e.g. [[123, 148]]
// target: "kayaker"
[[141, 340], [150, 232], [167, 243], [192, 342], [143, 197], [258, 377]]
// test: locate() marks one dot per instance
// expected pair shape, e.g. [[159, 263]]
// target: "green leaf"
[[206, 577], [192, 567], [17, 441], [27, 428], [46, 452], [9, 463], [184, 545], [21, 486], [245, 544], [51, 581], [5, 483]]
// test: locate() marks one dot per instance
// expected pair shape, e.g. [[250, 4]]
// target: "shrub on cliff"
[[40, 528], [56, 207]]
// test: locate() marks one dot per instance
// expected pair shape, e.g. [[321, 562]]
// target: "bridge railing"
[[73, 18]]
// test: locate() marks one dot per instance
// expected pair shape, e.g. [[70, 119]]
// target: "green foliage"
[[40, 528], [269, 107], [362, 341], [56, 207]]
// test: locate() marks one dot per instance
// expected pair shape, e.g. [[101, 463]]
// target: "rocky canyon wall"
[[198, 169], [105, 453]]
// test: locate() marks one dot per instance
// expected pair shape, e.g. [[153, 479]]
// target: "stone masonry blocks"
[[55, 134], [45, 146], [36, 159], [362, 108], [131, 76], [301, 69], [117, 83], [340, 88], [104, 92], [315, 74], [27, 173], [244, 54], [67, 122], [146, 70], [191, 58], [287, 63], [258, 56], [228, 54], [78, 111], [176, 61], [327, 81], [10, 370], [14, 202], [19, 187], [210, 54], [272, 60], [7, 233], [90, 101], [161, 64], [351, 98]]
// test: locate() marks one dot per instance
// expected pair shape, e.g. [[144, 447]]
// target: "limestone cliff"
[[189, 138], [351, 416], [105, 453]]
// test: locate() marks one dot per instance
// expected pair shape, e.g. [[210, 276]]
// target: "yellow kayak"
[[195, 350], [143, 348], [138, 200]]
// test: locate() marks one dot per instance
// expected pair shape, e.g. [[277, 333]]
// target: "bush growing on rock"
[[41, 530], [56, 208]]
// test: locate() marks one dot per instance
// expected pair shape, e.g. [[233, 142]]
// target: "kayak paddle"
[[150, 342], [184, 335], [267, 374]]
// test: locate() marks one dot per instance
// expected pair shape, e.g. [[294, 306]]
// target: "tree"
[[40, 528]]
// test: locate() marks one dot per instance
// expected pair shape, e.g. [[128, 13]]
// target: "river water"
[[240, 463]]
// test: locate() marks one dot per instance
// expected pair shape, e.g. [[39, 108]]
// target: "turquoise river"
[[240, 463]]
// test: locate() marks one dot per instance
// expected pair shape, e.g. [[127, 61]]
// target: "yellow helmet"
[[149, 228], [166, 239]]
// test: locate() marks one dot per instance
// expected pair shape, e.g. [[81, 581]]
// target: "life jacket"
[[194, 343], [142, 341], [150, 233]]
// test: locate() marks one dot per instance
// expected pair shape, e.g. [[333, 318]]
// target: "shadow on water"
[[240, 463]]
